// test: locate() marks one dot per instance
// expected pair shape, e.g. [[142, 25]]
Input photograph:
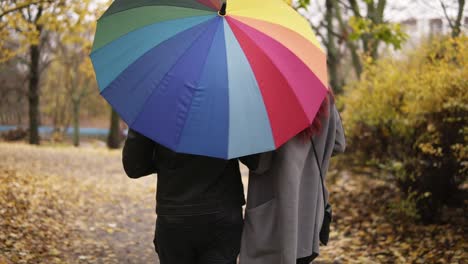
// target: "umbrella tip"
[[222, 11]]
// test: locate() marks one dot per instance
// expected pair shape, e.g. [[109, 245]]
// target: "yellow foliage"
[[399, 94], [414, 111], [64, 31], [23, 22]]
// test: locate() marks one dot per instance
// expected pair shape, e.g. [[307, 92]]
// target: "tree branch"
[[351, 46], [20, 7], [347, 6], [446, 15], [355, 7], [380, 10], [318, 33]]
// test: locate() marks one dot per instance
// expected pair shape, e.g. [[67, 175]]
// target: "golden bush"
[[409, 116]]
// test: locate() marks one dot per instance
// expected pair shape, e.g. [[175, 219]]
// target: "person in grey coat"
[[285, 207]]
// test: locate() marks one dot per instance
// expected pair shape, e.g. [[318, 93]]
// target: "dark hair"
[[316, 126]]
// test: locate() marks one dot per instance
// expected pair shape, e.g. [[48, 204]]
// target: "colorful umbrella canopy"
[[200, 78]]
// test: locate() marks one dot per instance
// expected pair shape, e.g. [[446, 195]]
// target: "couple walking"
[[200, 199], [223, 79]]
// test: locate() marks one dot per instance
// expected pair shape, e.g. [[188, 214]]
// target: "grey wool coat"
[[285, 206]]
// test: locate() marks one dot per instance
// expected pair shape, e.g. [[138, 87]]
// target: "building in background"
[[420, 29]]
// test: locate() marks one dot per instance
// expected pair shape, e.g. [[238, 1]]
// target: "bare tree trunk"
[[355, 58], [113, 139], [457, 27], [33, 96], [376, 15], [332, 52], [76, 122], [19, 111], [33, 93]]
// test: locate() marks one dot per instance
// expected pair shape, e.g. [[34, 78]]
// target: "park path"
[[79, 207], [115, 218]]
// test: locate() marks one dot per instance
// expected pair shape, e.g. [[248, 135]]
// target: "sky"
[[423, 9]]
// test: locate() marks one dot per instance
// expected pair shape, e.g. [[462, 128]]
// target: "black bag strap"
[[320, 171]]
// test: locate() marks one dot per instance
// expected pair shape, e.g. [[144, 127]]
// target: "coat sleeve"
[[258, 163], [138, 155], [340, 141], [251, 161], [265, 161]]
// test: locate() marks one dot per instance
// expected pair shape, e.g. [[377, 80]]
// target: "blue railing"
[[85, 131]]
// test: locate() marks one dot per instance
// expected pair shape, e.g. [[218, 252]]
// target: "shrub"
[[409, 116], [16, 134]]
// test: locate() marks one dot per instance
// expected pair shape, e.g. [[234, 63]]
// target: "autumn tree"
[[354, 29], [12, 93], [366, 30], [75, 45], [56, 99], [71, 79], [25, 27], [24, 22]]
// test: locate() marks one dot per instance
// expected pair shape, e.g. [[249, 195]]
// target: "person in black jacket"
[[199, 201]]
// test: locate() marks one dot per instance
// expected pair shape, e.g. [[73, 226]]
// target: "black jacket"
[[187, 184]]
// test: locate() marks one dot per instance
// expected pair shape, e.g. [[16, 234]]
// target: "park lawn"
[[75, 205]]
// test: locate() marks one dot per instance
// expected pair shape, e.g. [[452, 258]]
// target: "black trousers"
[[203, 239]]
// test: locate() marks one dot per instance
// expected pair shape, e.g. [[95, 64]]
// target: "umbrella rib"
[[149, 25], [296, 22], [177, 61], [277, 68], [314, 75], [319, 73], [210, 3], [232, 44], [141, 49], [197, 82], [146, 5]]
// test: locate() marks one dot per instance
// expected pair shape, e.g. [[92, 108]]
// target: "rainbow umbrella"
[[208, 77]]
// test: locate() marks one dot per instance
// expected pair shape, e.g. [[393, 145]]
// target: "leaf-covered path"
[[75, 205], [108, 218]]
